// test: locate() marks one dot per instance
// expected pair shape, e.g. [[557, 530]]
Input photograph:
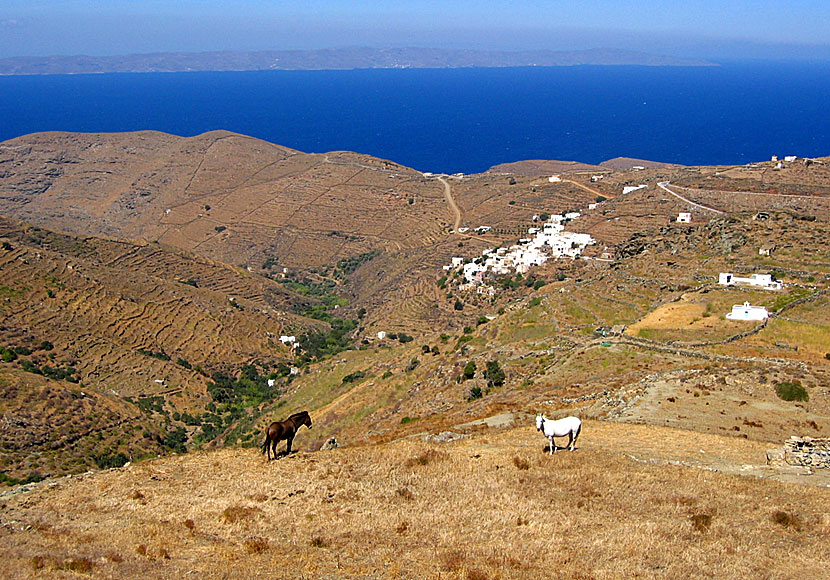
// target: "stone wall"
[[806, 451]]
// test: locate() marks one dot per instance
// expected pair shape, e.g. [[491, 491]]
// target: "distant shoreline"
[[331, 59]]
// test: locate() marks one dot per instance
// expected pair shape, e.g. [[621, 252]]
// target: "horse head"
[[540, 419]]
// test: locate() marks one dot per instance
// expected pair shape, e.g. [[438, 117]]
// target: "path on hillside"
[[662, 185], [589, 189], [453, 206]]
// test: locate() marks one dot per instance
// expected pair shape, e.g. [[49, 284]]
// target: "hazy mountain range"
[[342, 58]]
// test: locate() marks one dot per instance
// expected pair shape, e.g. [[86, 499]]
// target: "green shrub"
[[470, 370], [475, 393], [791, 391], [109, 460], [355, 376], [494, 374]]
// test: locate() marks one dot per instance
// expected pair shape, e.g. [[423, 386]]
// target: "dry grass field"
[[491, 505]]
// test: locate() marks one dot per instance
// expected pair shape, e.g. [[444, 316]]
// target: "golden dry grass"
[[494, 505]]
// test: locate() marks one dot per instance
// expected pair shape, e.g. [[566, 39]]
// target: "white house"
[[747, 312], [483, 229], [288, 339], [381, 334], [790, 158], [630, 188], [765, 281], [684, 218], [554, 179]]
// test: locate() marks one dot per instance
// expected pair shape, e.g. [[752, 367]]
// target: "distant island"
[[329, 59]]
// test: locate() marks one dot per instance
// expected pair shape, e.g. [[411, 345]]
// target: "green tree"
[[470, 370], [494, 374]]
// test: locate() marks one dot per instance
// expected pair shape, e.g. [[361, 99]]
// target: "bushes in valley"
[[161, 355], [347, 266]]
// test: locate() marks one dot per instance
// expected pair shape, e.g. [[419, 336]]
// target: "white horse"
[[570, 426]]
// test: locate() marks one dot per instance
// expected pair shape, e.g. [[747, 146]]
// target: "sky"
[[739, 29]]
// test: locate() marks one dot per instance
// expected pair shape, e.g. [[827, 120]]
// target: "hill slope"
[[491, 505]]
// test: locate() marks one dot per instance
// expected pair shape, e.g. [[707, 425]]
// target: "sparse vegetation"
[[791, 391]]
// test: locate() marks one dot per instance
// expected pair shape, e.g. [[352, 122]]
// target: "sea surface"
[[458, 120]]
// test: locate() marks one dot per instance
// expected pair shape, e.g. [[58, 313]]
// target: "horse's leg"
[[274, 447], [571, 440], [552, 445], [288, 447], [575, 435]]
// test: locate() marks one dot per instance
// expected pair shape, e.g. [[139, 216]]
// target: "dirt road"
[[453, 206]]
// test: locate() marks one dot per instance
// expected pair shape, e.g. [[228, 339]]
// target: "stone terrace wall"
[[806, 451]]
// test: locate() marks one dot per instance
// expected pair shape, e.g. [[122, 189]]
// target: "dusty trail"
[[453, 206]]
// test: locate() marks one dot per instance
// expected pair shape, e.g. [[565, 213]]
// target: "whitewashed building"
[[765, 281], [630, 188], [746, 311], [684, 218]]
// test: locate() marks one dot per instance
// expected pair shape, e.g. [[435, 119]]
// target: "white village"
[[548, 241]]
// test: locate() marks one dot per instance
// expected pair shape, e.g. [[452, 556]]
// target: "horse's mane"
[[300, 414]]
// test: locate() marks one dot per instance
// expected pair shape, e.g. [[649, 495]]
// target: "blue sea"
[[458, 120]]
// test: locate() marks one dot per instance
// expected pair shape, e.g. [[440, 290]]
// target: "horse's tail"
[[265, 444]]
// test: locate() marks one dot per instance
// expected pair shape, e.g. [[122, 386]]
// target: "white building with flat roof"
[[746, 311], [765, 281]]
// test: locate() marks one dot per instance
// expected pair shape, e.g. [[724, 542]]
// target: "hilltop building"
[[746, 311], [684, 218]]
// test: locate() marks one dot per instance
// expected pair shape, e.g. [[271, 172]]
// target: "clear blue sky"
[[702, 28]]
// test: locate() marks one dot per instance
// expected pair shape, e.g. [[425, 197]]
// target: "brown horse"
[[279, 430]]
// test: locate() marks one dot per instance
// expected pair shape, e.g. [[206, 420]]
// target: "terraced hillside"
[[135, 327], [231, 235]]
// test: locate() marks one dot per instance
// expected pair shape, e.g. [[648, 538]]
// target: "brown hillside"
[[491, 505]]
